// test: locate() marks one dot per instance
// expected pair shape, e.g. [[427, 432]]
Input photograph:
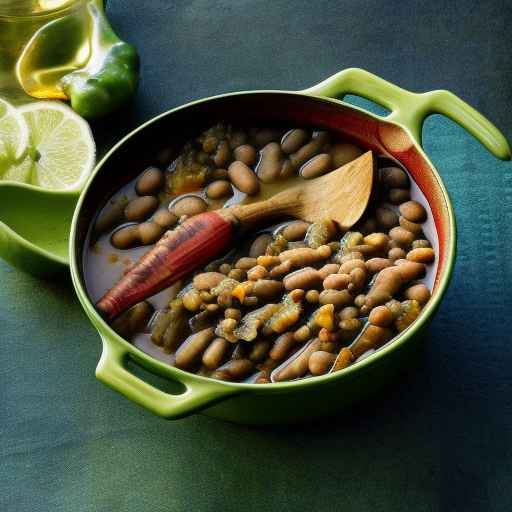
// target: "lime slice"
[[62, 146], [19, 171], [13, 134]]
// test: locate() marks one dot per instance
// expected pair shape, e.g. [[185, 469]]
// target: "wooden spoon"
[[341, 195]]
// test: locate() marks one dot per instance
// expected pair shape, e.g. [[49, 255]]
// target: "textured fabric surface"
[[439, 441]]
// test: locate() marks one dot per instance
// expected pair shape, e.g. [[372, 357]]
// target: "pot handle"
[[111, 371], [410, 109]]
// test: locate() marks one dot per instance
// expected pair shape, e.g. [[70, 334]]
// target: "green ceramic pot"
[[397, 136]]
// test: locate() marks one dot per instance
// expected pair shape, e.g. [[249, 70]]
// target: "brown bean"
[[375, 265], [150, 182], [310, 149], [260, 244], [257, 272], [126, 237], [413, 227], [339, 298], [259, 350], [210, 143], [192, 300], [263, 136], [320, 362], [282, 346], [237, 138], [418, 292], [150, 232], [380, 316], [219, 189], [246, 154], [305, 279], [318, 165], [225, 268], [235, 369], [344, 359], [312, 296], [398, 195], [360, 300], [207, 280], [377, 240], [237, 274], [394, 177], [267, 289], [401, 236], [422, 255], [410, 270], [413, 211], [215, 353], [336, 282], [219, 174], [192, 348], [421, 244], [348, 312], [111, 215], [189, 205], [243, 178], [349, 265], [223, 154], [246, 263], [368, 226], [297, 295], [357, 280], [233, 313], [271, 161], [165, 218], [386, 218], [293, 140], [140, 208], [295, 230], [133, 320], [343, 153], [298, 366], [371, 337], [396, 253], [328, 269]]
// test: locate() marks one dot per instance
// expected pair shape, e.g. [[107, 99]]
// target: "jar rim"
[[24, 9]]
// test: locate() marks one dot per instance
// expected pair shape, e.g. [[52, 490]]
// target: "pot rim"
[[110, 336]]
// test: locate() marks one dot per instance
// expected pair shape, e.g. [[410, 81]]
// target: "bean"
[[352, 255], [377, 240], [396, 253], [260, 244], [133, 320], [192, 348], [421, 244], [246, 263], [150, 232], [371, 337], [263, 136], [422, 255], [243, 178], [271, 161], [310, 149], [282, 346], [380, 316], [401, 236], [224, 299], [219, 189], [336, 282], [126, 237], [303, 333], [150, 182], [111, 215], [189, 205], [219, 174], [293, 140], [413, 227], [246, 154], [207, 280], [235, 369], [210, 143], [394, 177], [140, 208], [234, 313], [298, 366], [257, 272], [312, 296], [339, 298], [357, 279], [222, 155], [295, 230], [375, 265], [268, 261], [237, 274], [328, 269], [343, 153], [410, 270], [360, 300], [318, 165], [267, 289], [350, 265], [386, 218], [305, 279], [206, 296], [192, 300], [418, 292], [297, 295], [344, 359], [320, 362], [250, 302], [165, 218], [215, 353], [413, 211], [368, 226], [398, 195], [238, 137], [225, 269], [259, 351], [349, 312]]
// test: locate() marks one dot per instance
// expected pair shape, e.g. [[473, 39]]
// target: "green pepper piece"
[[110, 77]]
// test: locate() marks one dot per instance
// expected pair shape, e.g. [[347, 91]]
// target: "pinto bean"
[[246, 154], [259, 351], [165, 218], [282, 346], [413, 211], [219, 189], [320, 362], [192, 300], [394, 177], [215, 353], [318, 165], [305, 279], [293, 140], [398, 195], [267, 289], [263, 136], [401, 236], [422, 255], [396, 253], [223, 154], [343, 153], [189, 205], [140, 208], [386, 218], [150, 182], [312, 296], [338, 298], [150, 232], [243, 178], [344, 359], [235, 369], [126, 237], [207, 280], [349, 312], [336, 282], [310, 149], [237, 138], [298, 366], [372, 337], [379, 241], [234, 313], [375, 265], [348, 266], [257, 272], [421, 244], [418, 292], [192, 348], [133, 320], [380, 316], [413, 227], [295, 230], [246, 263], [328, 269], [260, 244], [271, 161]]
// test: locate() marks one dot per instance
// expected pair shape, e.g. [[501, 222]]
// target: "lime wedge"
[[13, 134], [62, 147]]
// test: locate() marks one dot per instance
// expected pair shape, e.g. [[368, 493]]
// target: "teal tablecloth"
[[440, 440]]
